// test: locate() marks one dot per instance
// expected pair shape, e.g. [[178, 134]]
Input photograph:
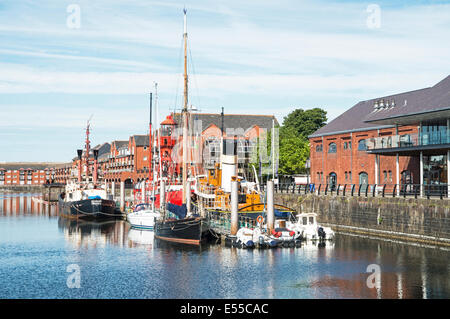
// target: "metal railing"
[[221, 222], [366, 190], [408, 140]]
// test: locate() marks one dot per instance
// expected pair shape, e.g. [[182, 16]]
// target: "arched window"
[[363, 178], [319, 148], [332, 180], [406, 177], [332, 148], [362, 145]]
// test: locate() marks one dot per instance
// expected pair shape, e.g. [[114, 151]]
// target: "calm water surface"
[[37, 247]]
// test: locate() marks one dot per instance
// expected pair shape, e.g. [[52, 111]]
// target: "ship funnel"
[[228, 161]]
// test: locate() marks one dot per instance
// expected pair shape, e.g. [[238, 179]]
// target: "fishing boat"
[[183, 227], [85, 198]]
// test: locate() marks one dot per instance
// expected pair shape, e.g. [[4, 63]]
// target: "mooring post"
[[234, 208], [122, 196], [162, 196], [270, 207]]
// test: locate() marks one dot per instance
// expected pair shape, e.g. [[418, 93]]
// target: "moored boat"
[[143, 216], [85, 201], [307, 228], [185, 227]]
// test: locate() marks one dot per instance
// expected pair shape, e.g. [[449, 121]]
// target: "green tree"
[[294, 151], [305, 122], [293, 143]]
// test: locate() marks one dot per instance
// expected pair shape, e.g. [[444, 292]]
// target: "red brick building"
[[27, 173], [129, 160], [397, 139]]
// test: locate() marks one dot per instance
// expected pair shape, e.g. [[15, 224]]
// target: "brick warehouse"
[[398, 139], [128, 160]]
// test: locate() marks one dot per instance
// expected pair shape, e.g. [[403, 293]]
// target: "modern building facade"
[[401, 139]]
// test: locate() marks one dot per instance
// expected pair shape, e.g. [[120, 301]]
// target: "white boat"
[[143, 216], [306, 228]]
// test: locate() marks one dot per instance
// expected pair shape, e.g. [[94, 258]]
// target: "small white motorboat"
[[143, 216], [244, 236], [306, 228]]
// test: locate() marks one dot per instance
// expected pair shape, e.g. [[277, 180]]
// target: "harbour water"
[[40, 252]]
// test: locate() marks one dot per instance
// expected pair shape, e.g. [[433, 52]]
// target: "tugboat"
[[86, 199], [186, 228]]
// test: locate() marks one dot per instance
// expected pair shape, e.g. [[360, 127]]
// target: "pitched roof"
[[28, 165], [435, 98], [141, 140], [120, 144], [235, 121], [362, 115]]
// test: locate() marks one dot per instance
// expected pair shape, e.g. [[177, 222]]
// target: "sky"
[[62, 62]]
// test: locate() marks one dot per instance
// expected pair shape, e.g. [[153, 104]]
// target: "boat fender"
[[273, 243], [276, 233], [249, 244]]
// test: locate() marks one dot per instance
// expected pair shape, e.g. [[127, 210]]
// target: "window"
[[345, 145], [319, 148], [350, 176], [385, 175], [390, 176], [332, 148], [349, 145], [346, 175], [362, 145]]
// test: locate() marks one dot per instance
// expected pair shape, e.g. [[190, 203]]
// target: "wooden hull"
[[190, 231]]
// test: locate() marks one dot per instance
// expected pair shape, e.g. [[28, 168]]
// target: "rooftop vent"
[[405, 103], [381, 104]]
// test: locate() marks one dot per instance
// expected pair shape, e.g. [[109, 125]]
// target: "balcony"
[[406, 144]]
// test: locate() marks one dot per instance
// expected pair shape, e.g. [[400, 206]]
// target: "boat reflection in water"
[[92, 234], [141, 236]]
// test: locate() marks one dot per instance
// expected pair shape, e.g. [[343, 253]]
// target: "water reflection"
[[125, 262], [23, 204], [141, 236], [93, 234]]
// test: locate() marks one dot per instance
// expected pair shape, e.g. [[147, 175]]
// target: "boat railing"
[[221, 221]]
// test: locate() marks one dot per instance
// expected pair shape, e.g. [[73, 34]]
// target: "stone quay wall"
[[419, 220]]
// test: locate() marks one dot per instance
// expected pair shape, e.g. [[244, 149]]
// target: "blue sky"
[[251, 57]]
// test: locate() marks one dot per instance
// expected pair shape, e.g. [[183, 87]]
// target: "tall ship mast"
[[187, 228], [185, 116]]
